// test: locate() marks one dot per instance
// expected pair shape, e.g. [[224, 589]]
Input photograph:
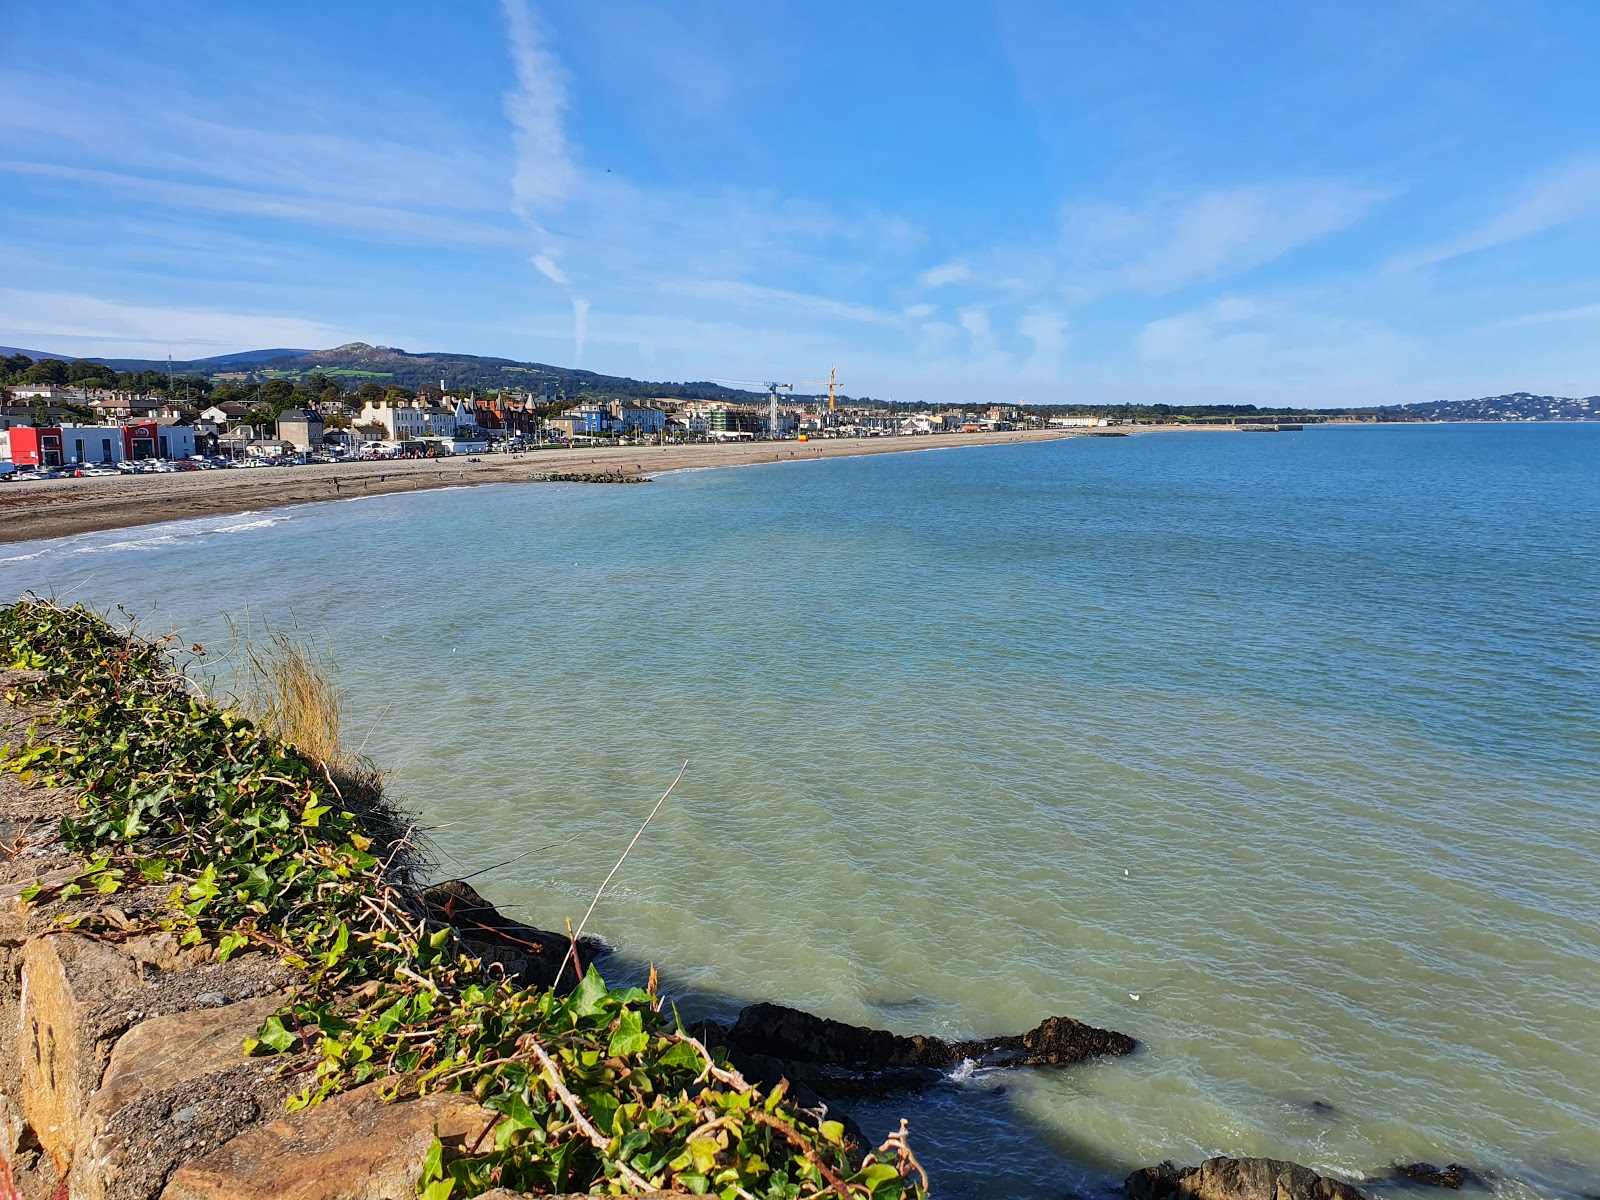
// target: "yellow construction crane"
[[832, 372]]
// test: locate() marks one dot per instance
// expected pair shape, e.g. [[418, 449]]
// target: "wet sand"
[[59, 507]]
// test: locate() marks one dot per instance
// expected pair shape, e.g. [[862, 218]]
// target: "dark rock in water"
[[1055, 1042], [1236, 1179], [531, 956], [1452, 1176], [835, 1058]]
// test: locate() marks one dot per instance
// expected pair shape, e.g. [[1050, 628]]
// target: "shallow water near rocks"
[[1293, 737]]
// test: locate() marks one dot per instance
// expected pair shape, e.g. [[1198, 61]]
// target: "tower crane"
[[832, 372], [772, 395]]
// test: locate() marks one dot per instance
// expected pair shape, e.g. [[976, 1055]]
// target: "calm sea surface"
[[1294, 737]]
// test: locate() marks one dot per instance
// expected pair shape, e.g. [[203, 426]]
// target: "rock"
[[1236, 1179], [884, 1060], [176, 1087], [80, 994], [66, 978], [350, 1147], [1054, 1042], [1452, 1176], [531, 956]]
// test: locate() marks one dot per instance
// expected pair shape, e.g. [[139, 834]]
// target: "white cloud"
[[376, 221], [104, 328], [736, 292], [1209, 236], [944, 274], [544, 171], [1583, 312], [1562, 196], [548, 268]]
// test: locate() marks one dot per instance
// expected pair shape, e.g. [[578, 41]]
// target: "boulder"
[[840, 1059], [1236, 1179], [530, 956], [353, 1146], [80, 994], [1452, 1176], [176, 1087], [66, 981]]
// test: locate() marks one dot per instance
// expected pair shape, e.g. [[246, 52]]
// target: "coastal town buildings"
[[402, 420], [67, 444], [301, 428]]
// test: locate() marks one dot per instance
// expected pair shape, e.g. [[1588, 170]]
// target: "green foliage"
[[599, 1090]]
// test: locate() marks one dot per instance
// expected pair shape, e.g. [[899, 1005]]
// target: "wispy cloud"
[[548, 268], [943, 274], [58, 320], [544, 169], [1582, 312], [370, 221], [749, 294], [1208, 236], [1563, 195]]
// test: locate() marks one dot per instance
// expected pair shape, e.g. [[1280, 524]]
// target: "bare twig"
[[596, 1139], [762, 1117], [573, 949]]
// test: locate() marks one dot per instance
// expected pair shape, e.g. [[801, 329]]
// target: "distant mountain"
[[1518, 406], [36, 355], [205, 366], [358, 362]]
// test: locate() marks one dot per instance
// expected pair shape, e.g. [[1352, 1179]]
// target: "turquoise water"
[[1292, 736]]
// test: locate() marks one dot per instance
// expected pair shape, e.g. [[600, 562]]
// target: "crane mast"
[[772, 395]]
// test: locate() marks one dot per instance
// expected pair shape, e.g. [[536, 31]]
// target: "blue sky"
[[1182, 200]]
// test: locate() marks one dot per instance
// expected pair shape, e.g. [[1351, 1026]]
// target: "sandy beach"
[[59, 507]]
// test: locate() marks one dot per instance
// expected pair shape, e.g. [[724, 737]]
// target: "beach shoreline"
[[35, 511]]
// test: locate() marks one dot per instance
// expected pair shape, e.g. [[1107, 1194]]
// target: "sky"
[[1189, 201]]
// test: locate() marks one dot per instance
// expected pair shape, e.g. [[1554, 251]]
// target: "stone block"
[[176, 1088], [66, 980], [349, 1147]]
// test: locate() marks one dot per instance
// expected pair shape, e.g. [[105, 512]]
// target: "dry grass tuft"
[[288, 690]]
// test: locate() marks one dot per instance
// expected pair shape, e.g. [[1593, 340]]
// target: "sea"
[[1280, 753]]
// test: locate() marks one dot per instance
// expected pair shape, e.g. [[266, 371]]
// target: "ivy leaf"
[[589, 996], [230, 943], [630, 1037], [274, 1036]]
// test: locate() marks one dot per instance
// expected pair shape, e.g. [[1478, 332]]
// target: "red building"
[[31, 447], [139, 441]]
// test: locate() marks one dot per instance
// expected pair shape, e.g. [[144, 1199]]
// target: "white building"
[[407, 422], [93, 444]]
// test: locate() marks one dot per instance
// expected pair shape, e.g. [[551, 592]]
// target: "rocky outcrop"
[[1236, 1179], [838, 1059], [1453, 1176], [532, 957]]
